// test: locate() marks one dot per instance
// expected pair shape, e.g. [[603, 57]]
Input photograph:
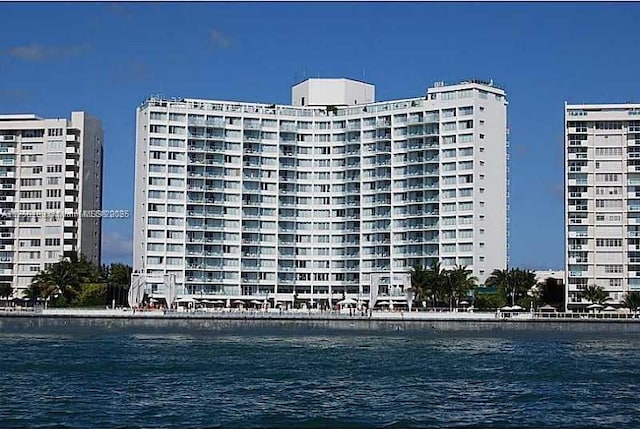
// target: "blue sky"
[[106, 58]]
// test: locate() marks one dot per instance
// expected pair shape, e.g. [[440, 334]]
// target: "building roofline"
[[20, 117], [331, 78], [603, 106]]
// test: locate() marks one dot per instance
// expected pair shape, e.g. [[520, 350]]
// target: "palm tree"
[[459, 281], [436, 282], [502, 280], [32, 292], [515, 282], [595, 294], [6, 291], [523, 281], [632, 300], [420, 282]]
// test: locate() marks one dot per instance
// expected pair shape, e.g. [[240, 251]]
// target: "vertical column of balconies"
[[8, 141], [71, 192], [579, 193], [288, 199], [376, 204], [415, 196], [259, 208], [470, 208], [349, 219], [213, 206], [344, 210], [632, 156]]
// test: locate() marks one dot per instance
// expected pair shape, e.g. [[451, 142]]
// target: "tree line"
[[438, 287], [74, 281]]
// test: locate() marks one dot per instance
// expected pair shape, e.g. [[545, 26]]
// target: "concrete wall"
[[34, 322]]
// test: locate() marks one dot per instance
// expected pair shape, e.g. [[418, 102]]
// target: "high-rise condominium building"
[[243, 200], [602, 199], [48, 167]]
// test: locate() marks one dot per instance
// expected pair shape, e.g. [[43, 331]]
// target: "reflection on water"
[[295, 379]]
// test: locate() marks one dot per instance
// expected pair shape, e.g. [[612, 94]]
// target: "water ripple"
[[311, 381]]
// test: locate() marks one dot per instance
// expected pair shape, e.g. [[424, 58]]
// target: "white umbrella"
[[186, 299], [238, 301], [506, 308], [464, 303], [517, 308], [218, 302], [609, 308], [256, 302], [347, 301], [382, 303], [593, 306]]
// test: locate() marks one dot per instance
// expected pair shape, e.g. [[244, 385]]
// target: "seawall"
[[237, 323]]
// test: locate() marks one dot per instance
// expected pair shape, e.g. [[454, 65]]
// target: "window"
[[449, 126], [608, 177], [613, 269], [159, 116], [448, 113], [608, 242], [466, 110], [608, 151]]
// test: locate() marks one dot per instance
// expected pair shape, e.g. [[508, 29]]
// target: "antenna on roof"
[[363, 73]]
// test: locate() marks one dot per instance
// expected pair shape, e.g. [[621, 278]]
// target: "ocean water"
[[86, 379]]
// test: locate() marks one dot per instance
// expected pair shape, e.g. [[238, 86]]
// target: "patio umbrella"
[[594, 306], [464, 303], [506, 308], [238, 302], [609, 308], [217, 302], [347, 301], [547, 308], [256, 302], [382, 303], [517, 308]]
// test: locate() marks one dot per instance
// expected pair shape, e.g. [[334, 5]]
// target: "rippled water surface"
[[339, 379]]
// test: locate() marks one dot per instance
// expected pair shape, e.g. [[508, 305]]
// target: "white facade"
[[48, 168], [542, 275], [332, 92], [247, 200], [602, 198]]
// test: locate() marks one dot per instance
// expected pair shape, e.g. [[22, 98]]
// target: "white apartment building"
[[307, 201], [48, 168], [602, 199]]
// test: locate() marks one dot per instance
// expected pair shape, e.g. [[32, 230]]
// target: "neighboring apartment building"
[[602, 199], [48, 167], [247, 200]]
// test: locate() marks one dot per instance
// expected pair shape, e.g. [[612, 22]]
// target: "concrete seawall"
[[231, 323]]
